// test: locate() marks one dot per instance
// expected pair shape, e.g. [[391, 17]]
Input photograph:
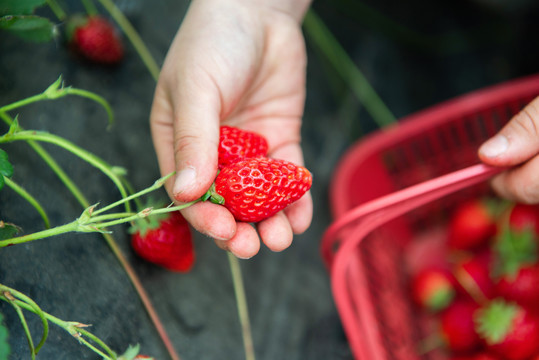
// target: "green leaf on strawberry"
[[4, 344], [29, 27], [495, 321], [19, 7], [513, 250]]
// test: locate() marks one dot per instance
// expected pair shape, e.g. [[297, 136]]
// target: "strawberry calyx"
[[73, 23], [144, 224], [514, 250], [495, 321], [213, 196]]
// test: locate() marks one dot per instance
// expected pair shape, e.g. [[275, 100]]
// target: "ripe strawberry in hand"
[[164, 240], [472, 224], [236, 144], [509, 330], [95, 38], [255, 189]]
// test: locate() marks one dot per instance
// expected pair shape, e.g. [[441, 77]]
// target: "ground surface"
[[423, 55]]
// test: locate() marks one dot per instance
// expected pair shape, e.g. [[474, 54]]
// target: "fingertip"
[[300, 213], [276, 232], [245, 244], [494, 148]]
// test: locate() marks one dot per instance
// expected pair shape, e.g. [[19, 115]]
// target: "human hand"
[[516, 146], [239, 63]]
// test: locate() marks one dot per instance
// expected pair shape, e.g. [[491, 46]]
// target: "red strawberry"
[[472, 225], [523, 216], [457, 326], [165, 241], [522, 288], [473, 275], [433, 288], [478, 356], [236, 144], [516, 269], [509, 330], [255, 189], [96, 39]]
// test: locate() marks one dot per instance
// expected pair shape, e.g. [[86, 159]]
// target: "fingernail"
[[494, 147], [184, 180]]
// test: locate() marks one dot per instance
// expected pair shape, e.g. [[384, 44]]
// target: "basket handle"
[[395, 204]]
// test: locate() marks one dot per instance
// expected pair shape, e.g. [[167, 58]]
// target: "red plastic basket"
[[391, 195]]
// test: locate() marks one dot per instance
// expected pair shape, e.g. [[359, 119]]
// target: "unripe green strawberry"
[[257, 188], [236, 144]]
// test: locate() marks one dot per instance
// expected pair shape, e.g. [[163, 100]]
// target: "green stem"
[[49, 160], [57, 230], [156, 185], [57, 10], [142, 214], [346, 68], [73, 328], [133, 36], [74, 149], [25, 327], [37, 310], [92, 96], [241, 301], [24, 102], [29, 198], [90, 7], [55, 91]]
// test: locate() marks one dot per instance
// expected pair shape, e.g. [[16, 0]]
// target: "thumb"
[[196, 139], [517, 142]]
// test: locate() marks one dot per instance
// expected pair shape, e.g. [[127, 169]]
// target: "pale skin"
[[242, 63], [239, 63]]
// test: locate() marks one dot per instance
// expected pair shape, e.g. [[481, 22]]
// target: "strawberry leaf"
[[495, 321], [513, 250], [29, 27], [4, 344], [7, 230], [130, 353], [6, 169], [19, 7]]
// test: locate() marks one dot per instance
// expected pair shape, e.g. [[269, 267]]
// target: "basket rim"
[[418, 122]]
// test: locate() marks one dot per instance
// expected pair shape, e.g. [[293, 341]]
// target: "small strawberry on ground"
[[95, 38], [509, 330], [255, 189], [164, 240], [236, 144]]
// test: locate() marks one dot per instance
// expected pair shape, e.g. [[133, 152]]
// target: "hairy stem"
[[133, 36], [337, 56], [29, 198]]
